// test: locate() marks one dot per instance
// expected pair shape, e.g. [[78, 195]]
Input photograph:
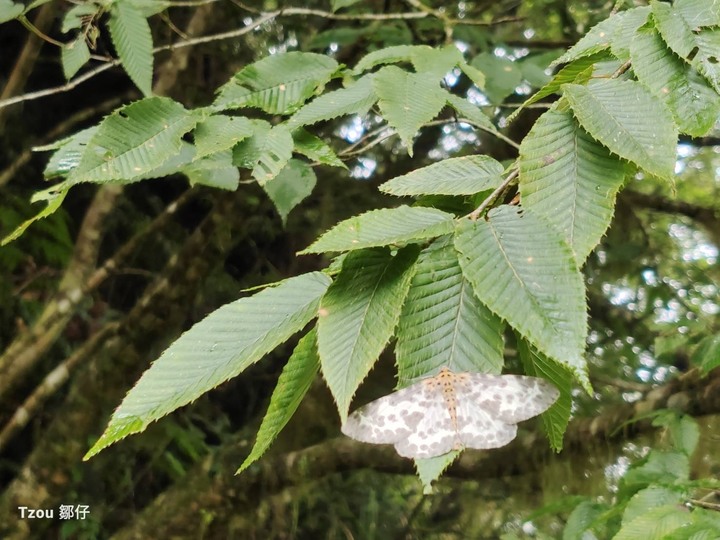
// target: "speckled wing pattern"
[[451, 411]]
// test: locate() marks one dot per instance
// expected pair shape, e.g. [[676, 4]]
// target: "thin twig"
[[494, 195]]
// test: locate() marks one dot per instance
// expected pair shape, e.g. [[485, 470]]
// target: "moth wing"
[[434, 434], [386, 420], [509, 398], [478, 429]]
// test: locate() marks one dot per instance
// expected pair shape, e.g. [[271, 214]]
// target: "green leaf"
[[74, 56], [647, 499], [578, 71], [390, 55], [699, 48], [707, 354], [694, 105], [629, 120], [356, 99], [216, 170], [74, 17], [570, 180], [407, 100], [581, 519], [521, 269], [708, 56], [683, 429], [437, 62], [465, 175], [134, 140], [470, 112], [132, 39], [277, 84], [358, 314], [290, 187], [556, 418], [266, 152], [443, 323], [633, 19], [474, 74], [294, 382], [655, 524], [674, 29], [10, 10], [53, 203], [315, 148], [698, 13], [659, 467], [339, 4], [502, 75], [221, 132], [596, 40], [214, 350], [430, 469], [68, 154], [383, 227]]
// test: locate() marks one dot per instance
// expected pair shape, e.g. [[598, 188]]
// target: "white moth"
[[451, 411]]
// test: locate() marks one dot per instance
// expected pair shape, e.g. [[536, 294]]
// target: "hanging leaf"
[[74, 55], [443, 323], [383, 227], [134, 140], [407, 100], [132, 39], [277, 84], [294, 382], [556, 418], [629, 120], [694, 105], [290, 187], [358, 315], [526, 275], [315, 148], [430, 469], [214, 350], [53, 203], [356, 99], [570, 180]]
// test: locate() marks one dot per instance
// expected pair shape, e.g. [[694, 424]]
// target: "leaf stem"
[[494, 195]]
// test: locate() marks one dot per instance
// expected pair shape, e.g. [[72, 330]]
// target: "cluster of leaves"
[[445, 286], [656, 499], [128, 26]]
